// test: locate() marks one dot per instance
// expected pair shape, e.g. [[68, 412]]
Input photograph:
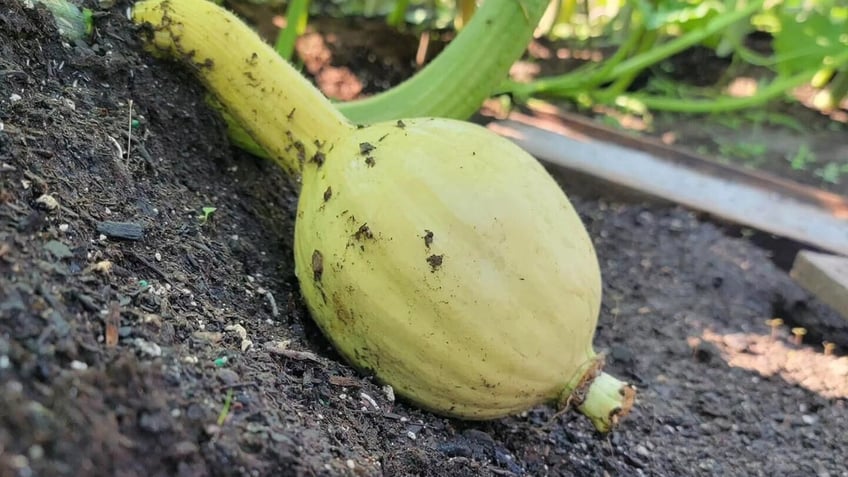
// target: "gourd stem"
[[607, 400], [603, 398], [465, 73], [455, 83], [278, 107]]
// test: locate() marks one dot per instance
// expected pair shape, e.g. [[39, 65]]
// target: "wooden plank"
[[825, 276], [546, 116], [815, 218]]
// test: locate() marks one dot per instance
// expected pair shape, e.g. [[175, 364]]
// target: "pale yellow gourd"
[[433, 253]]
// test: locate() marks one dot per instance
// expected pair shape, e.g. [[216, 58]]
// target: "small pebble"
[[411, 435], [390, 393], [35, 452], [350, 464], [78, 365], [14, 387], [184, 448], [228, 376], [58, 249], [48, 202], [146, 347], [18, 461]]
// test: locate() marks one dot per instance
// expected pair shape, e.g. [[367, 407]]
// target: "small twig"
[[497, 471], [370, 400], [423, 44], [238, 385], [154, 268], [275, 312], [129, 130], [68, 211], [118, 146], [113, 322], [298, 355]]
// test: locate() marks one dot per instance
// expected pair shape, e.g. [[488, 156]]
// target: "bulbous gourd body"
[[446, 261], [433, 253]]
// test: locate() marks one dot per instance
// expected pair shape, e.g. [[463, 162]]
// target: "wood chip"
[[121, 230], [113, 322], [344, 381], [298, 355], [825, 276]]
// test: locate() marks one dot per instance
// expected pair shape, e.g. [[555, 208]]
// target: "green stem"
[[398, 14], [688, 40], [822, 77], [456, 82], [607, 400], [624, 81], [603, 398], [225, 411], [569, 83], [777, 87], [586, 76], [832, 94], [839, 86], [297, 14]]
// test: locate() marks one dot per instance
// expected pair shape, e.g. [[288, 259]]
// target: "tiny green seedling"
[[832, 172], [206, 214], [803, 158], [225, 411], [742, 150]]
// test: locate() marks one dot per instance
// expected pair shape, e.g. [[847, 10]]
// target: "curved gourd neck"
[[278, 107]]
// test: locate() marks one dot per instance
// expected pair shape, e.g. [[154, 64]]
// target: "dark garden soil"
[[137, 338]]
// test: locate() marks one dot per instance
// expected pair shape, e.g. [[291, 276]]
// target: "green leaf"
[[809, 32], [687, 15], [72, 22]]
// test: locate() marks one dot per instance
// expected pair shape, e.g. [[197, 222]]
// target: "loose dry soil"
[[120, 345]]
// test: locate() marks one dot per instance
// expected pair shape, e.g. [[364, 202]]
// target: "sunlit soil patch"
[[805, 366]]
